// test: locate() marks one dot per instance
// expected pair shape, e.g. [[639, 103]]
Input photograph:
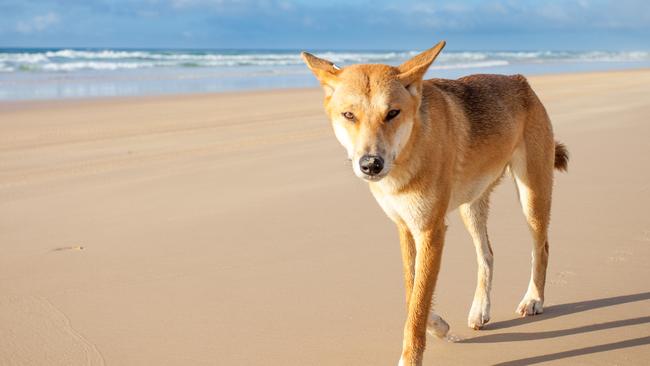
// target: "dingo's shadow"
[[561, 310], [555, 311], [522, 336], [577, 352]]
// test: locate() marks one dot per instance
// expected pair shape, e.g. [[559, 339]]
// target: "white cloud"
[[38, 23], [209, 3], [247, 5], [526, 15]]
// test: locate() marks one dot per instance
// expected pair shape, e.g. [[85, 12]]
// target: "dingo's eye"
[[348, 115], [392, 114]]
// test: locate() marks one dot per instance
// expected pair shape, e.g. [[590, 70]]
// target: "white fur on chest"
[[414, 208], [410, 209], [470, 191]]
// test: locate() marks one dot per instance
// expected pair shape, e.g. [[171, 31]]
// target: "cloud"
[[216, 4], [38, 23], [322, 23], [239, 6], [509, 15]]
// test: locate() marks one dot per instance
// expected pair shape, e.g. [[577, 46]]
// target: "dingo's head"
[[373, 108]]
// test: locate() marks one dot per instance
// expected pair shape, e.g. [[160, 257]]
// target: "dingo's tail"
[[561, 157]]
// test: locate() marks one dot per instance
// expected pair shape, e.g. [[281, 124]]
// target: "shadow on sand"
[[556, 311], [521, 336], [577, 352]]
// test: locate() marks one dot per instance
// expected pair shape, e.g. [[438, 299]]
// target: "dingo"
[[427, 147]]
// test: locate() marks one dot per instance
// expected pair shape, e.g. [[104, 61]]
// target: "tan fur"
[[448, 147]]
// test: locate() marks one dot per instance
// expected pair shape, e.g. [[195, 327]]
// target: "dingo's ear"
[[412, 71], [326, 72]]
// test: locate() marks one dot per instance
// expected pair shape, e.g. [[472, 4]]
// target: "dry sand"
[[228, 229]]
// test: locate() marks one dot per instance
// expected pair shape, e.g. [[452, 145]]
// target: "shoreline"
[[171, 96]]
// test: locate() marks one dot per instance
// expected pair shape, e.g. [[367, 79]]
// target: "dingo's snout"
[[371, 165]]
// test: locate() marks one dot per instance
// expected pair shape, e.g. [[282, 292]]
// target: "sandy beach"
[[229, 229]]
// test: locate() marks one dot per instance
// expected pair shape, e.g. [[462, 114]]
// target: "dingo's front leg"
[[429, 245], [407, 245], [436, 326], [475, 218]]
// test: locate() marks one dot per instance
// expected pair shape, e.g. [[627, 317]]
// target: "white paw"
[[437, 326], [530, 306], [479, 315]]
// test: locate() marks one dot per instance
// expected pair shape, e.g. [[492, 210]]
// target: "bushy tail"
[[561, 157]]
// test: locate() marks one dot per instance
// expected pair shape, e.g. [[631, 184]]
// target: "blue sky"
[[334, 24]]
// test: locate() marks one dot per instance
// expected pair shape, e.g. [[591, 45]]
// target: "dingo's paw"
[[437, 326], [530, 306], [479, 315]]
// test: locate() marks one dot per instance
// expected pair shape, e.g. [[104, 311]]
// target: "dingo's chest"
[[411, 209], [414, 208]]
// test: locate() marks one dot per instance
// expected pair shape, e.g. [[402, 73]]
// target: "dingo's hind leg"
[[532, 169]]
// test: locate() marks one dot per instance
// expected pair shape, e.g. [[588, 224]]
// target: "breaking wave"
[[71, 60]]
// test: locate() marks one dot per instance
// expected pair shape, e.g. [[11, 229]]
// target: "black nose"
[[371, 164]]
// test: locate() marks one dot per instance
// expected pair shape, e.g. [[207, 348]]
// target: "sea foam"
[[70, 60]]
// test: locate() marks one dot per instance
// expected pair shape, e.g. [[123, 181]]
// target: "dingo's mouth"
[[373, 178]]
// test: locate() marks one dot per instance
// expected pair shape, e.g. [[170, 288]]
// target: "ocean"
[[56, 73]]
